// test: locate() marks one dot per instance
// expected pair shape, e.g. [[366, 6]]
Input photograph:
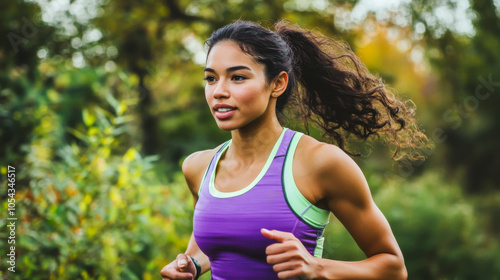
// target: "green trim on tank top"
[[208, 167], [318, 250], [305, 210], [214, 192]]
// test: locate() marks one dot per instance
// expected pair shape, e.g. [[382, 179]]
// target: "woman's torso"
[[227, 225]]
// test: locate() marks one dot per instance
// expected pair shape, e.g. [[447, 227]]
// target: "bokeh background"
[[101, 100]]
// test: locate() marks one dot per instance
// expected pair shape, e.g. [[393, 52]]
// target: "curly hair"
[[328, 86]]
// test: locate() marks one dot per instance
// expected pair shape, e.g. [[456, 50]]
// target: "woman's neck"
[[254, 142]]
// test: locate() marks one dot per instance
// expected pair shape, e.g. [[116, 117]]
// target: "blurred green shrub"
[[441, 234], [91, 211]]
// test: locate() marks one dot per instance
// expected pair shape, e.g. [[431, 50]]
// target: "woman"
[[263, 198]]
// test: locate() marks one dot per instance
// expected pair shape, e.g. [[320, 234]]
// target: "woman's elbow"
[[401, 272], [396, 269], [404, 273]]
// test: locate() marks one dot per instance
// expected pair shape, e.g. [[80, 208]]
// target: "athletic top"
[[226, 225]]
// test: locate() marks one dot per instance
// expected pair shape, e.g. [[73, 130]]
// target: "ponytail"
[[342, 97]]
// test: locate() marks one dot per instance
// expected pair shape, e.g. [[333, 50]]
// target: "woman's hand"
[[182, 268], [289, 257]]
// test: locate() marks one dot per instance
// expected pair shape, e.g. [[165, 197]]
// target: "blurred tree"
[[23, 34], [468, 66]]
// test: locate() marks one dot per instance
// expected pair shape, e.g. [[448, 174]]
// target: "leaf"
[[88, 118], [112, 101], [131, 155], [77, 134]]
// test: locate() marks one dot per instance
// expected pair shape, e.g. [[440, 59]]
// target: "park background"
[[101, 100]]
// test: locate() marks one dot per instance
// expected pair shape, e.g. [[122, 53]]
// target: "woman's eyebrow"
[[230, 69]]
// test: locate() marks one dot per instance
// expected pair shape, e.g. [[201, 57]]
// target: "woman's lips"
[[224, 115], [223, 111]]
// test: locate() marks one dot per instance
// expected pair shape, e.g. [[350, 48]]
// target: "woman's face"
[[236, 89]]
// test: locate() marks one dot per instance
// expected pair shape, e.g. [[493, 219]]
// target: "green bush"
[[91, 211], [441, 234]]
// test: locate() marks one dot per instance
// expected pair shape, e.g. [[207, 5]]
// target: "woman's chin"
[[226, 126]]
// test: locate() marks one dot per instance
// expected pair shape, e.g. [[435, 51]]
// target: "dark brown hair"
[[328, 85]]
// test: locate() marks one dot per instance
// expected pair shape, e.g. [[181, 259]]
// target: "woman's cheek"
[[208, 94]]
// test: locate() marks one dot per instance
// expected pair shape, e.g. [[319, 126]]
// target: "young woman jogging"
[[263, 198]]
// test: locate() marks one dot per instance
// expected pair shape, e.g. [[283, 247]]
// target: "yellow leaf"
[[130, 155], [121, 108], [91, 231], [53, 95], [93, 131], [61, 269], [88, 118], [107, 140], [115, 197]]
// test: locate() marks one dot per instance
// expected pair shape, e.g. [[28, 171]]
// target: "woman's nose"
[[221, 90]]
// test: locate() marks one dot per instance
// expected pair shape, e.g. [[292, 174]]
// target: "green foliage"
[[96, 213], [440, 232]]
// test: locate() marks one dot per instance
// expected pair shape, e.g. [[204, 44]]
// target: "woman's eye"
[[238, 78], [209, 79]]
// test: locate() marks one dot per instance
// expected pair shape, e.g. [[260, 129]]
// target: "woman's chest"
[[235, 223]]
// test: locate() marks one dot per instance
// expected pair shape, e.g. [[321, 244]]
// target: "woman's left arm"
[[344, 189]]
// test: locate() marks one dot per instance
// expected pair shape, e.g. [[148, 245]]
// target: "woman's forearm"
[[380, 266], [194, 251]]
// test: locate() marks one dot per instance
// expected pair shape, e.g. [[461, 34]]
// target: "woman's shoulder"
[[194, 166], [328, 164], [318, 153]]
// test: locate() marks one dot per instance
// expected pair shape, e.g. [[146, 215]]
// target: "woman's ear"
[[279, 85]]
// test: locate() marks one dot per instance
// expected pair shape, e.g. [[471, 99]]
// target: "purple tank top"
[[227, 226]]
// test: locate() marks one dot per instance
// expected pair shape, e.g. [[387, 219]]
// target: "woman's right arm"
[[182, 267]]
